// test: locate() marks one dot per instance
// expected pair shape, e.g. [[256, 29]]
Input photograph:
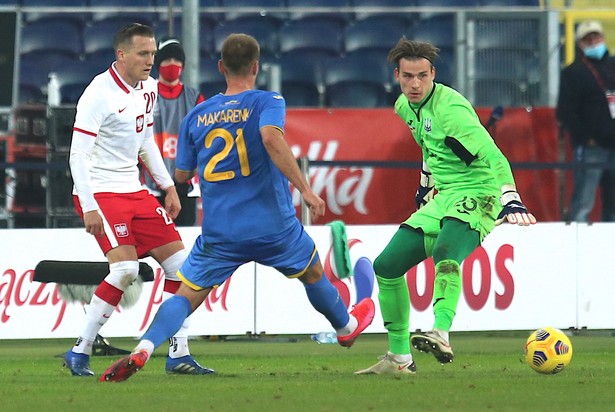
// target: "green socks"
[[447, 290], [395, 308]]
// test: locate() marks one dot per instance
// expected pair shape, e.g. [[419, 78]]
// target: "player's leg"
[[586, 182], [294, 254], [454, 243], [199, 274], [168, 320], [157, 236], [607, 186], [123, 271], [171, 257], [404, 250]]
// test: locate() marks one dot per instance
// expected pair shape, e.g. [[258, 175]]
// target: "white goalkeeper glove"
[[425, 192], [513, 210]]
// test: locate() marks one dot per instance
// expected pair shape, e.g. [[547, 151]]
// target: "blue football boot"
[[78, 363], [186, 365]]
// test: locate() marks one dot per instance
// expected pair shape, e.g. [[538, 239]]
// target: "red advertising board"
[[385, 195]]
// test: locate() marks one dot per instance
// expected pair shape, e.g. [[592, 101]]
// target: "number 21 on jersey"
[[242, 152]]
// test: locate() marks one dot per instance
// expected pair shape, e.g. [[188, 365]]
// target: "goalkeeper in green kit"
[[475, 192]]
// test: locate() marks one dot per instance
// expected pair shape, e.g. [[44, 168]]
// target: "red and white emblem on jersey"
[[140, 123], [121, 230]]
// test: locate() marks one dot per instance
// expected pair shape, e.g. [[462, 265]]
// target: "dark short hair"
[[412, 50], [239, 51], [126, 33]]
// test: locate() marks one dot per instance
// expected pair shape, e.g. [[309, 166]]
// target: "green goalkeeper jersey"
[[460, 153]]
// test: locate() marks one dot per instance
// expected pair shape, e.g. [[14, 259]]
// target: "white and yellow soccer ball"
[[548, 350]]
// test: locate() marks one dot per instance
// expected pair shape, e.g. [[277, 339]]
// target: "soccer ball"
[[548, 350]]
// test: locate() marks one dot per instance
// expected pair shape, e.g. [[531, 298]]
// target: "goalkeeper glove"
[[513, 211], [425, 191]]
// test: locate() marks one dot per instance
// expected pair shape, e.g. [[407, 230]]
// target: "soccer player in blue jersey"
[[236, 141]]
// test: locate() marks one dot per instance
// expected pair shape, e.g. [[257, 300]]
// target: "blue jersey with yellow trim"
[[244, 195]]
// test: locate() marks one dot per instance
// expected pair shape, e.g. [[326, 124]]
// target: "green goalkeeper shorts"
[[476, 209]]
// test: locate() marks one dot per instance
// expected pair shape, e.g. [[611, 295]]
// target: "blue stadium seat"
[[300, 82], [51, 43], [74, 79], [355, 82], [264, 30], [51, 35], [33, 77], [162, 27], [333, 16], [211, 82], [321, 38], [445, 67], [383, 5], [143, 17], [438, 30], [239, 7], [98, 36], [375, 35], [80, 18]]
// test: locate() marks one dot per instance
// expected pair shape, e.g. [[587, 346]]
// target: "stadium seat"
[[98, 37], [33, 78], [163, 28], [374, 35], [265, 30], [56, 36], [445, 67], [321, 38], [116, 10], [300, 13], [211, 82], [382, 5], [80, 18], [355, 82], [438, 30], [300, 82], [74, 79], [238, 9]]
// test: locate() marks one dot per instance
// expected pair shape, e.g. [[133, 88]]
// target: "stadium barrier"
[[521, 278]]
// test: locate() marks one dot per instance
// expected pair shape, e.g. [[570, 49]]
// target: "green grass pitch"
[[489, 374]]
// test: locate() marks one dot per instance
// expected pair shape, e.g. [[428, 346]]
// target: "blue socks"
[[326, 299], [168, 320]]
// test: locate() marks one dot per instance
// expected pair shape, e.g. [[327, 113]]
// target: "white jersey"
[[113, 127]]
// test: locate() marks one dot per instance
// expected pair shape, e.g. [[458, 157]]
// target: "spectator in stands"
[[469, 172], [175, 100], [114, 128], [586, 110]]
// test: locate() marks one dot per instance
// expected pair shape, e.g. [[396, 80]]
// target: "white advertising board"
[[521, 278]]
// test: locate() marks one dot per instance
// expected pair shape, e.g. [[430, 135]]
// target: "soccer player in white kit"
[[114, 129]]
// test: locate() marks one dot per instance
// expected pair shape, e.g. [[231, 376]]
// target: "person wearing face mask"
[[175, 100], [586, 110]]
